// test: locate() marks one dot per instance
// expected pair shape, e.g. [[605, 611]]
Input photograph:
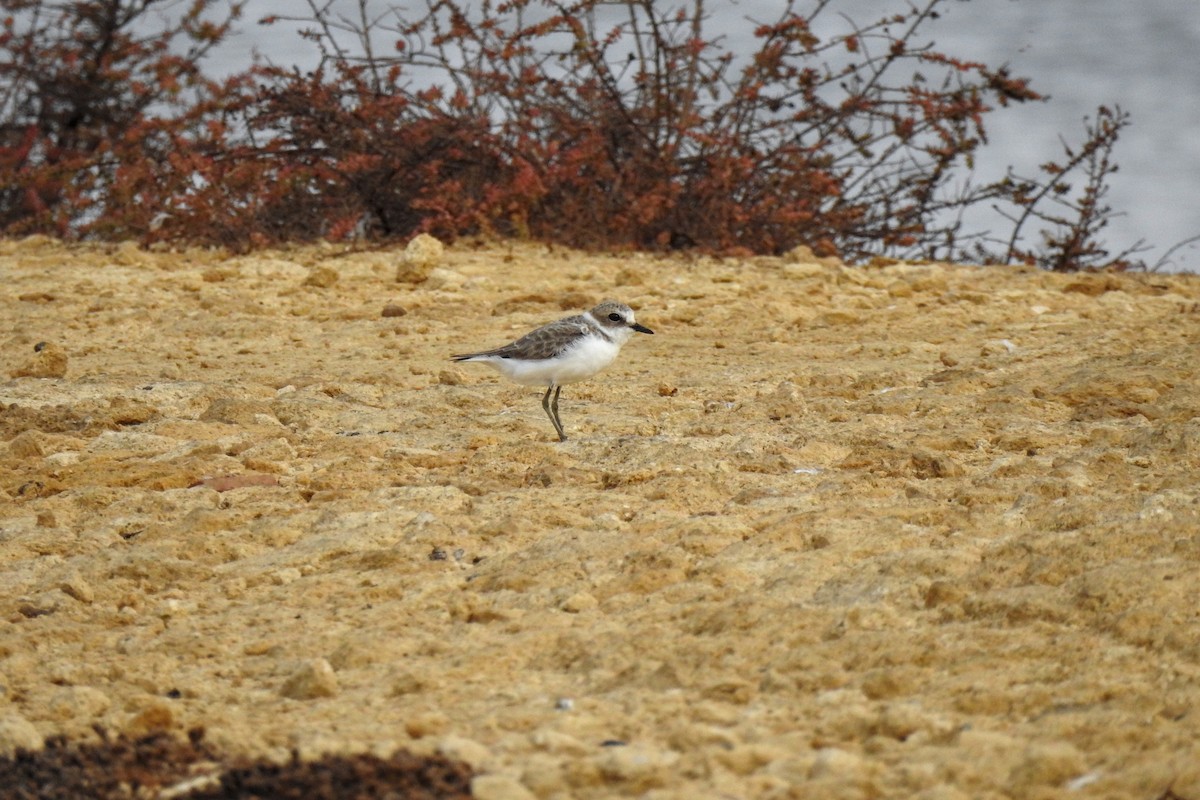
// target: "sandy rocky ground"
[[892, 531]]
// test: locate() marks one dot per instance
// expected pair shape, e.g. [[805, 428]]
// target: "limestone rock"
[[499, 787], [1048, 764], [321, 277], [78, 703], [17, 733], [313, 680], [78, 588], [469, 751], [637, 768], [421, 256], [48, 360]]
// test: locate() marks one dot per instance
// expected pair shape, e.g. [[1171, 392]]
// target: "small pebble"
[[40, 605], [428, 723]]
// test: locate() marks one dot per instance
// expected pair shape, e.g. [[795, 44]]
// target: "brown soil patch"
[[159, 765], [898, 531]]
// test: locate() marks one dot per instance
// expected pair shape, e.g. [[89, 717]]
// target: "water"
[[1083, 53]]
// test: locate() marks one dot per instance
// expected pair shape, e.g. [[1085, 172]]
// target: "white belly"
[[581, 362]]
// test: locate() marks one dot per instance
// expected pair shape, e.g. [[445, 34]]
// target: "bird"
[[568, 350]]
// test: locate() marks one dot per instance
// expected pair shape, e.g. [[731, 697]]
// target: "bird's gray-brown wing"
[[545, 342]]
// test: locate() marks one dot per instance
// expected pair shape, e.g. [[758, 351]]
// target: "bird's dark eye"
[[615, 317]]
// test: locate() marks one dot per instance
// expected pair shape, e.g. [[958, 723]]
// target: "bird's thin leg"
[[562, 437], [553, 414]]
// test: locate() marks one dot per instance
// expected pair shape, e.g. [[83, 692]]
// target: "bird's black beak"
[[640, 328]]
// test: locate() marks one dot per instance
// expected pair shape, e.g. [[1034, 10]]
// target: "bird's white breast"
[[579, 362]]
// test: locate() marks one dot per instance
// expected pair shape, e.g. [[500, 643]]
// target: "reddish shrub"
[[94, 111], [592, 123]]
